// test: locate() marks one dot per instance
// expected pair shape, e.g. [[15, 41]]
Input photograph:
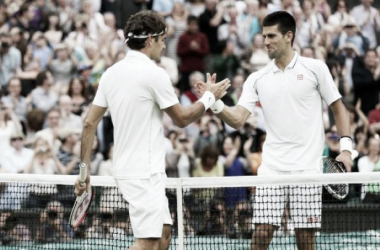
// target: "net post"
[[180, 214]]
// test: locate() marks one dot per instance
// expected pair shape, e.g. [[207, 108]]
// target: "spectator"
[[177, 23], [62, 67], [43, 96], [10, 60], [195, 7], [14, 161], [98, 59], [40, 49], [255, 57], [77, 92], [68, 153], [368, 20], [188, 97], [8, 124], [210, 134], [50, 133], [112, 38], [34, 122], [54, 228], [250, 18], [11, 232], [15, 101], [234, 31], [68, 119], [351, 35], [17, 158], [371, 163], [192, 49], [237, 87], [19, 40], [340, 16], [233, 166], [366, 79], [102, 226], [180, 161], [208, 203], [43, 162], [209, 22], [226, 63], [53, 31], [164, 7]]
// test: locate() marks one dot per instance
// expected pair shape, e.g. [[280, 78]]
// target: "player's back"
[[129, 88]]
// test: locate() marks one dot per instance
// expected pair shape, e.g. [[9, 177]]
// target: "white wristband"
[[217, 107], [207, 99], [345, 144]]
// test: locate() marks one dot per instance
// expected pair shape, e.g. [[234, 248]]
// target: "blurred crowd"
[[53, 53]]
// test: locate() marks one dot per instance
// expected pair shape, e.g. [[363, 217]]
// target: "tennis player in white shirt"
[[291, 90], [137, 92]]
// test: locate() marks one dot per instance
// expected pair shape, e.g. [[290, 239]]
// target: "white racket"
[[328, 165], [83, 202]]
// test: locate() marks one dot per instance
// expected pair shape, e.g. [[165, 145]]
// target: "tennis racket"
[[328, 165], [83, 202]]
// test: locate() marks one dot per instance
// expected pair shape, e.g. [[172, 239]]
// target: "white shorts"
[[305, 202], [148, 205]]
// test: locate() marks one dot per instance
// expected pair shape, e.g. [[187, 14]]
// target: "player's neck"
[[285, 59]]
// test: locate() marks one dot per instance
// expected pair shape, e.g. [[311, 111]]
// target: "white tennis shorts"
[[305, 202], [148, 205]]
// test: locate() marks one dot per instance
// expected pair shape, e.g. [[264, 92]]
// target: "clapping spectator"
[[210, 134], [62, 67], [177, 23], [226, 63], [50, 133], [368, 20], [366, 79], [40, 49], [192, 50], [189, 97]]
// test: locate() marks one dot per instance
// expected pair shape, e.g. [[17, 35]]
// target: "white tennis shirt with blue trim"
[[136, 91], [292, 102]]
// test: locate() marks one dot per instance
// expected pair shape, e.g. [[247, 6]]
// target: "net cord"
[[207, 182]]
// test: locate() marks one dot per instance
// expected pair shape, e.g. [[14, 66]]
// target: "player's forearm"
[[231, 117], [88, 136], [189, 114], [341, 118]]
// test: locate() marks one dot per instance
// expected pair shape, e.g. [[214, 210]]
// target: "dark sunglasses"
[[17, 139]]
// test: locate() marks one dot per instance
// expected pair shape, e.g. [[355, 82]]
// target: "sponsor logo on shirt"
[[300, 77]]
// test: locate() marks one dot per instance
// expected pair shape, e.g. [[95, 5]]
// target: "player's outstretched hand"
[[219, 89]]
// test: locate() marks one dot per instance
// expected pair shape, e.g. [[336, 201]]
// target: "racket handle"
[[82, 173]]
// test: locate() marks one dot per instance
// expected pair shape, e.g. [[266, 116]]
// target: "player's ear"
[[289, 36]]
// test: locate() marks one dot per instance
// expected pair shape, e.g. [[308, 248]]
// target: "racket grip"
[[82, 174]]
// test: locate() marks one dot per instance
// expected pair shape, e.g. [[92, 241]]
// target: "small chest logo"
[[300, 77]]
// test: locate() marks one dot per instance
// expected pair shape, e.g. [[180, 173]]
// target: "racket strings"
[[331, 166]]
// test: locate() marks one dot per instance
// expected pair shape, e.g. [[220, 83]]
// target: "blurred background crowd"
[[53, 53]]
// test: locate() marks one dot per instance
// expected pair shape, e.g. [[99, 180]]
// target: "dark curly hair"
[[143, 23]]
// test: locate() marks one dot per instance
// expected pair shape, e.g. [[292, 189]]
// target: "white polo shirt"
[[291, 101], [136, 91]]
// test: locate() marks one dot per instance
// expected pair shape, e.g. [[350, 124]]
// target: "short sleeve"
[[249, 96], [327, 86], [100, 96], [162, 90]]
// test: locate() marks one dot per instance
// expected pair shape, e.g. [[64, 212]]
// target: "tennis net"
[[208, 213]]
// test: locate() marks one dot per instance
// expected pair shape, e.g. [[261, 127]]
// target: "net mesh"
[[208, 213]]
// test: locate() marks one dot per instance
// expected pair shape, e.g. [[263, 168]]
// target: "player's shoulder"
[[311, 63], [266, 70]]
